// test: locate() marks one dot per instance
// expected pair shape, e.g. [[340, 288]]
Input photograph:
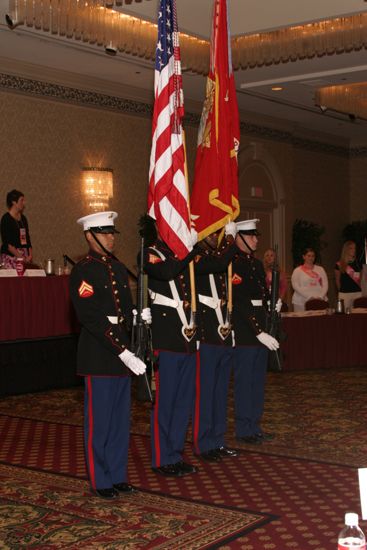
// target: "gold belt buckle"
[[189, 332], [225, 330]]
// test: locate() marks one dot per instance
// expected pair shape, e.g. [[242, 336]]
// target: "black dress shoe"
[[251, 439], [186, 468], [168, 470], [265, 436], [124, 488], [210, 456], [226, 451], [106, 493]]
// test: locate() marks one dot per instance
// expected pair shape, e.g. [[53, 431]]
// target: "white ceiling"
[[36, 54]]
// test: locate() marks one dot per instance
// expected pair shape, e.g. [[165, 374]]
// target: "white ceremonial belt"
[[113, 319], [257, 303], [160, 300], [209, 301]]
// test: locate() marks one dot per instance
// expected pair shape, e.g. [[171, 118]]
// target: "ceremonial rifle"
[[274, 316], [141, 334]]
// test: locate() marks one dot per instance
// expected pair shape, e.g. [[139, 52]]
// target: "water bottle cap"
[[351, 519]]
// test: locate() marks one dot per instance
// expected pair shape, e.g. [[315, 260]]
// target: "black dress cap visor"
[[104, 229]]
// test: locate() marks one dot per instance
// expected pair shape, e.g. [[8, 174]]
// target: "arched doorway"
[[261, 196]]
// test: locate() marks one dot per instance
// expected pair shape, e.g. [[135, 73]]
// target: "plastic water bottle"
[[351, 537], [19, 266]]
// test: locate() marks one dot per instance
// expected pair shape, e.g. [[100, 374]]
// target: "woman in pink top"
[[308, 281]]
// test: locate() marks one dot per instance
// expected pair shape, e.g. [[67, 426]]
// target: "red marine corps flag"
[[168, 192], [214, 198]]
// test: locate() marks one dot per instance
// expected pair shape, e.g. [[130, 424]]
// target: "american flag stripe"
[[165, 160], [168, 193], [174, 198]]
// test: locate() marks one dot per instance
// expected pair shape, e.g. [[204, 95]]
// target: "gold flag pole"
[[230, 291], [191, 264]]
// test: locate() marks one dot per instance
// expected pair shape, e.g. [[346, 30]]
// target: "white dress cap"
[[247, 225], [98, 221]]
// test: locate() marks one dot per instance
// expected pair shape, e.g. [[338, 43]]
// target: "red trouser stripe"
[[92, 475], [197, 403], [157, 445]]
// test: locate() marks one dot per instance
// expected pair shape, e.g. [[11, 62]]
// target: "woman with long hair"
[[348, 275]]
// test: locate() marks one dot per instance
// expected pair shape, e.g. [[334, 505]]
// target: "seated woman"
[[308, 281], [268, 262], [347, 275]]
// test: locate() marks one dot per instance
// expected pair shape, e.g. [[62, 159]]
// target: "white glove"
[[146, 315], [135, 315], [278, 305], [268, 341], [132, 362], [230, 229], [194, 237]]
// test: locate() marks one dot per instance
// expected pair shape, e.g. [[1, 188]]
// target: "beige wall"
[[45, 143], [313, 185], [321, 194], [358, 188]]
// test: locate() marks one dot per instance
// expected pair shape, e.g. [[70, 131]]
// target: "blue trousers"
[[249, 365], [213, 372], [175, 386], [106, 429]]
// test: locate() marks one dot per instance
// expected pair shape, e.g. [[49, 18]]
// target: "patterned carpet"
[[48, 511], [319, 415], [288, 493]]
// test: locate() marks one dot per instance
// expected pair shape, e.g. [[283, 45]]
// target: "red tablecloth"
[[325, 341], [35, 307]]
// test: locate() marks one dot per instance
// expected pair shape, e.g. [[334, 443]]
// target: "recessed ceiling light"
[[278, 88]]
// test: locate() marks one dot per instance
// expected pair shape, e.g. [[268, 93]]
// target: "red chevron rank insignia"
[[236, 279], [154, 259], [85, 290]]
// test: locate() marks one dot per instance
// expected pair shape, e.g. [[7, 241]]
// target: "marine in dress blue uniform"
[[214, 363], [174, 345], [250, 297], [101, 296]]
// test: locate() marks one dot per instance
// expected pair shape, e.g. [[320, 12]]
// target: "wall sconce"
[[97, 187]]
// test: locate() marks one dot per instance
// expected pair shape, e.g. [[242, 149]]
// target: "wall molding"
[[67, 94], [283, 136], [98, 100]]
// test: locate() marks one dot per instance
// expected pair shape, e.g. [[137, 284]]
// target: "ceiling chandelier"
[[350, 99], [96, 22]]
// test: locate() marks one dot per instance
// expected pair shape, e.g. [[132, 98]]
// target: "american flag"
[[168, 194]]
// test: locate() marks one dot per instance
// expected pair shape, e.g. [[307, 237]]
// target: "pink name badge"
[[23, 236]]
